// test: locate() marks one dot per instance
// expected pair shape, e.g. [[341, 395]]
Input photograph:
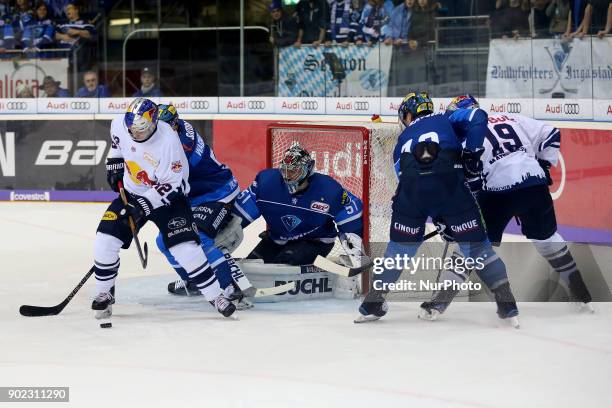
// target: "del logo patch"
[[319, 206], [109, 216], [290, 222], [177, 166]]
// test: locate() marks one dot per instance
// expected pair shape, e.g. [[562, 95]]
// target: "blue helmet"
[[141, 118], [415, 103], [466, 101], [169, 114]]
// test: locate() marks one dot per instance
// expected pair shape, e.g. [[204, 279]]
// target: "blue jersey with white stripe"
[[450, 130], [309, 214], [209, 179]]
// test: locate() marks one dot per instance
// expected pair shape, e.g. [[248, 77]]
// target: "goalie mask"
[[141, 119], [296, 167]]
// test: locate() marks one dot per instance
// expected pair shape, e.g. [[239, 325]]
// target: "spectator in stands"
[[608, 24], [92, 88], [422, 23], [559, 12], [284, 26], [374, 20], [595, 17], [541, 20], [24, 91], [148, 87], [74, 28], [52, 88], [38, 32], [7, 36], [312, 15], [343, 26], [509, 21], [5, 8], [57, 8], [399, 25], [579, 22]]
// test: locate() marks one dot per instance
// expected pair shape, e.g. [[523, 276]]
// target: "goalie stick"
[[261, 292], [342, 270], [36, 311]]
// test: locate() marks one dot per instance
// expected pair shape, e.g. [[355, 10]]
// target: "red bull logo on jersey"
[[138, 174], [177, 166]]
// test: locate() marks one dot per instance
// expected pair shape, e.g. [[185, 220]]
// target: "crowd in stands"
[[36, 27], [411, 22]]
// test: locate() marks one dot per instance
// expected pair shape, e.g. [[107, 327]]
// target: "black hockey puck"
[[106, 325]]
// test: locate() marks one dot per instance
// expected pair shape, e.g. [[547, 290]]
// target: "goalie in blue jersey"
[[304, 211]]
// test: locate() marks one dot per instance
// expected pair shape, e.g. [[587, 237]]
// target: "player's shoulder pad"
[[268, 176]]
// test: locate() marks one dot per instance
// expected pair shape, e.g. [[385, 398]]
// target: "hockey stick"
[[143, 258], [335, 268], [35, 311], [261, 292]]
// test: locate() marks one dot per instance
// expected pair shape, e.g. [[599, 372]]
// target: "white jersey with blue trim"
[[513, 145], [155, 168]]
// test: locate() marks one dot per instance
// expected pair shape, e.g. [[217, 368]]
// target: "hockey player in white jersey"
[[519, 152], [146, 157]]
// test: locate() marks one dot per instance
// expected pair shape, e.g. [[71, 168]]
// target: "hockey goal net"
[[360, 157]]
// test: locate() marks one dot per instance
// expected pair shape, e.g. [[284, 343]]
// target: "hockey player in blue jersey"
[[303, 210], [519, 152], [432, 168], [213, 190]]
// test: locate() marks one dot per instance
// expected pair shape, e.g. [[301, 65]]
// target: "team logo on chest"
[[294, 201], [138, 174], [319, 206], [290, 222]]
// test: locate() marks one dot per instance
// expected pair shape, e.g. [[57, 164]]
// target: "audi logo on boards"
[[16, 106], [362, 105], [256, 105], [203, 105], [310, 105], [81, 105], [513, 107], [571, 109]]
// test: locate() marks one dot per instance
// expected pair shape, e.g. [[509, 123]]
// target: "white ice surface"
[[166, 351]]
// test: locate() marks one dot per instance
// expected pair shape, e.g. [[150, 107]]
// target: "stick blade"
[[330, 266], [36, 311], [146, 256]]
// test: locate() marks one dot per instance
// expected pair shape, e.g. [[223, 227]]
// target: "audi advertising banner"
[[47, 160], [550, 68], [30, 73], [334, 71]]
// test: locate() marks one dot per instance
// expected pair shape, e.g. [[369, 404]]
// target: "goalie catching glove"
[[353, 246]]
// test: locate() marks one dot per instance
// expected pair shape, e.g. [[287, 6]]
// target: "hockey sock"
[[106, 261], [489, 266], [556, 252], [220, 265], [162, 247], [395, 250], [191, 257]]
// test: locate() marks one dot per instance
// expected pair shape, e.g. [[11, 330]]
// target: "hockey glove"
[[139, 208], [114, 172], [352, 244], [230, 237], [472, 165], [545, 165], [443, 230]]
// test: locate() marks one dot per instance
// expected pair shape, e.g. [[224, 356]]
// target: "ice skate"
[[183, 288], [237, 297], [103, 304], [373, 307], [223, 305], [506, 305]]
